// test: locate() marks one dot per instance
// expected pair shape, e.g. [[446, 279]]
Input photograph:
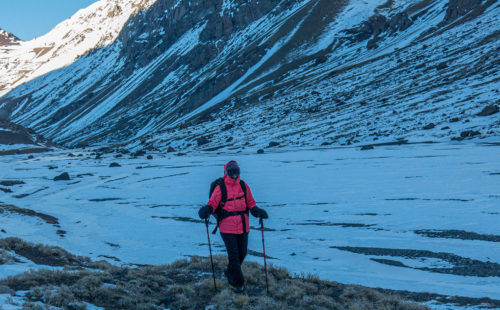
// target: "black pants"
[[236, 246]]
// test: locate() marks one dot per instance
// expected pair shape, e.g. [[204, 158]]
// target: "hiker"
[[230, 201]]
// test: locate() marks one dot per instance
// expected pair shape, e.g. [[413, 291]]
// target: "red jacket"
[[232, 224]]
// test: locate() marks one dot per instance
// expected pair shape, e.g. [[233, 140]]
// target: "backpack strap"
[[243, 219], [218, 211]]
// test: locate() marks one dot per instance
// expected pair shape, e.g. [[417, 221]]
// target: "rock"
[[429, 126], [62, 177], [273, 143], [489, 110], [445, 128], [399, 22], [4, 115], [139, 153], [228, 126], [260, 151], [112, 165], [31, 157], [5, 190], [458, 8], [442, 66], [454, 120], [84, 174], [367, 147], [320, 59], [469, 133], [202, 141], [11, 182], [149, 157], [372, 44], [229, 139], [170, 150]]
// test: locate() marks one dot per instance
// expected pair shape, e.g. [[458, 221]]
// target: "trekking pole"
[[264, 248], [211, 259]]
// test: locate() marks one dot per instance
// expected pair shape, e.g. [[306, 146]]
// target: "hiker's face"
[[233, 173]]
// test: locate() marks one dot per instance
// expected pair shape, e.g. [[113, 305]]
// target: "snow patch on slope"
[[95, 26]]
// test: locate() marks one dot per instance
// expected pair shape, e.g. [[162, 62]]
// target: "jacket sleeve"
[[250, 201], [215, 199]]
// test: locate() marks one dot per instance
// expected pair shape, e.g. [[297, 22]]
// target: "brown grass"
[[42, 254], [185, 284]]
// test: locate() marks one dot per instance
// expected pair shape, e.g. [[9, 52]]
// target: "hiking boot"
[[239, 289]]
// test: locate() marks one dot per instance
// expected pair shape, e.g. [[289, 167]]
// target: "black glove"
[[258, 212], [205, 212]]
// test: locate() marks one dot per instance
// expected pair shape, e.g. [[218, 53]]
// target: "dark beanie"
[[231, 165]]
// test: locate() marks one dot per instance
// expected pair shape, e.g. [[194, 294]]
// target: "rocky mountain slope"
[[98, 25], [15, 139], [226, 74], [7, 38]]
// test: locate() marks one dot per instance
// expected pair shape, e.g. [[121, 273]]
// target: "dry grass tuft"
[[42, 254], [186, 284]]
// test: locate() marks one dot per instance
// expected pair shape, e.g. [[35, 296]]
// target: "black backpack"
[[220, 213]]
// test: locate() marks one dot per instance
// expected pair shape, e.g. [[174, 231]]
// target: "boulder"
[[202, 141], [273, 143], [113, 164], [4, 115], [489, 110], [469, 133], [62, 177], [11, 182], [260, 151], [458, 8], [442, 65], [429, 126], [170, 150]]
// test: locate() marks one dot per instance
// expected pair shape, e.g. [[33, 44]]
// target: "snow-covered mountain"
[[92, 27], [226, 74], [7, 38]]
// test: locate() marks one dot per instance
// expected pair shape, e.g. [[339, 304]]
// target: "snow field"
[[145, 212]]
